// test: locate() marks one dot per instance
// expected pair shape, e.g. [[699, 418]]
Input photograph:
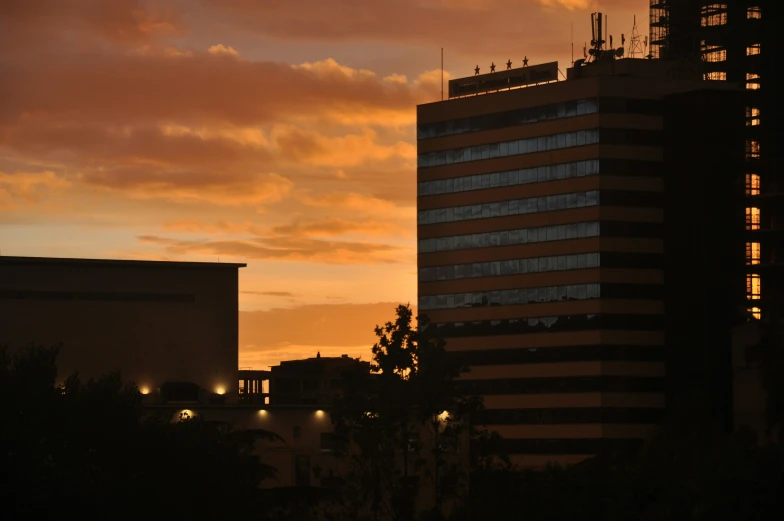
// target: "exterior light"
[[144, 390], [443, 416], [262, 412], [220, 390], [187, 413], [319, 413]]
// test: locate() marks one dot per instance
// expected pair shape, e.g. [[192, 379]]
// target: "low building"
[[170, 327]]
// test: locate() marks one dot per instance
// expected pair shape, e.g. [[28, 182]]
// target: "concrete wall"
[[156, 322]]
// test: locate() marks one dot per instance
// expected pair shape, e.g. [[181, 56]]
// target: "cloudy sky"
[[280, 133]]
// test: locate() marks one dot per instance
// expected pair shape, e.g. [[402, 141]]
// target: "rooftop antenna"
[[572, 44], [635, 45], [442, 74]]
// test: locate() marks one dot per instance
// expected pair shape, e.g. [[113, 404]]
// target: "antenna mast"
[[636, 46], [442, 74]]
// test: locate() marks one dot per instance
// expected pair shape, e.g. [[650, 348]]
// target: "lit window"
[[715, 76], [753, 184], [753, 50], [752, 117], [752, 149], [753, 253], [713, 53], [754, 13], [753, 218], [753, 287], [752, 81], [714, 14], [756, 313]]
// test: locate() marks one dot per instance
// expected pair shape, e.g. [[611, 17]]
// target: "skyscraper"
[[736, 42], [550, 218]]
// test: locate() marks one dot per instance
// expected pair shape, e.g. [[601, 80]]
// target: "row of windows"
[[520, 296], [96, 296], [509, 148], [566, 384], [510, 297], [508, 119], [546, 203], [549, 355], [533, 325], [558, 232], [509, 178], [510, 267], [557, 446], [571, 415]]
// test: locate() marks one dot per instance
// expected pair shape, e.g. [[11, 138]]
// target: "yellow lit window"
[[752, 116], [754, 13], [753, 253], [753, 184], [752, 149], [713, 53], [753, 287], [714, 14], [752, 81], [756, 313], [715, 76], [753, 218], [753, 50]]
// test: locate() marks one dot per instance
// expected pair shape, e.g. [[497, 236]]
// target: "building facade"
[[544, 249], [170, 327], [736, 42]]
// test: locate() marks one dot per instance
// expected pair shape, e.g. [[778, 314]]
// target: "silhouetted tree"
[[393, 425], [92, 449]]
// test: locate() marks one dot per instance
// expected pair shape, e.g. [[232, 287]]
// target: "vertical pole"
[[442, 74], [572, 44]]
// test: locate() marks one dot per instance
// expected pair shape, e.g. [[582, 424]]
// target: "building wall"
[[559, 310], [157, 322]]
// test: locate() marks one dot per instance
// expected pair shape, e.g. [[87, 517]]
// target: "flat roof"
[[115, 263]]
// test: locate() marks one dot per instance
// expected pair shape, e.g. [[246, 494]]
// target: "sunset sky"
[[279, 133]]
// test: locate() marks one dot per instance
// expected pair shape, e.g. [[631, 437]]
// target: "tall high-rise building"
[[736, 42], [580, 247]]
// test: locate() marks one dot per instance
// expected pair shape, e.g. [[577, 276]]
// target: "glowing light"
[[319, 414], [186, 414], [144, 390], [220, 390], [262, 412], [443, 416]]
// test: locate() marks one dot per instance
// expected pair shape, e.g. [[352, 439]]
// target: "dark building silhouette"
[[581, 247], [170, 327], [736, 41]]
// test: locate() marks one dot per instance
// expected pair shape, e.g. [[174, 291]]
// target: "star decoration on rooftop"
[[492, 67], [509, 64], [476, 71], [525, 61]]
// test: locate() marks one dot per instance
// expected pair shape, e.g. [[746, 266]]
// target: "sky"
[[277, 133]]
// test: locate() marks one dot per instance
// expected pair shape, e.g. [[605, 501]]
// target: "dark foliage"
[[91, 450]]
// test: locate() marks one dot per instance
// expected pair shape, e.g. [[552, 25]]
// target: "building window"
[[753, 184], [752, 218], [302, 471], [714, 14], [756, 313], [752, 117], [753, 286], [752, 81], [713, 53], [715, 76], [510, 267], [754, 13], [752, 149], [753, 253], [754, 49]]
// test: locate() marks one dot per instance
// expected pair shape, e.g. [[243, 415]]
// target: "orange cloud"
[[336, 226], [27, 187], [296, 249]]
